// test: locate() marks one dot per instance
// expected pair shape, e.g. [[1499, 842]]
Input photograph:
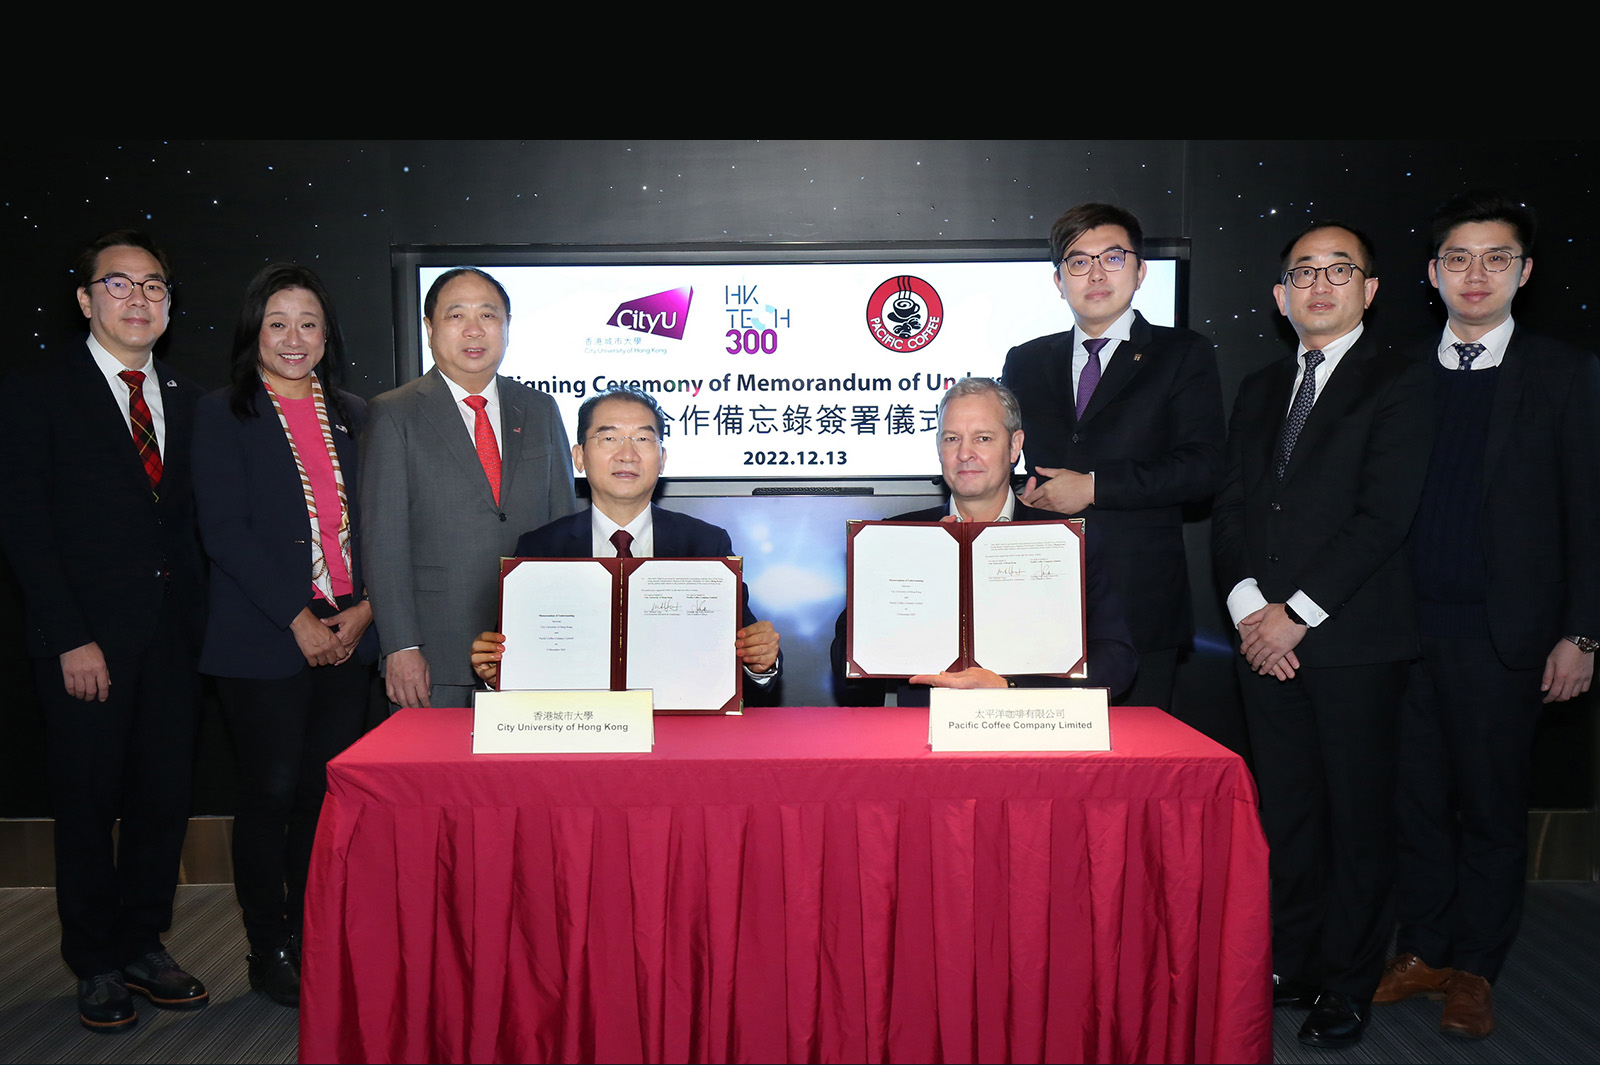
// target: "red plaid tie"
[[144, 429], [488, 450]]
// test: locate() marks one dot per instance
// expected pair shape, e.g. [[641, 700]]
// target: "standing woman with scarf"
[[289, 635]]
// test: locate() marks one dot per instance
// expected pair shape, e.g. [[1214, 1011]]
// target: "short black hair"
[[1483, 205], [1369, 263], [1086, 216], [121, 238], [245, 369], [432, 299], [625, 392]]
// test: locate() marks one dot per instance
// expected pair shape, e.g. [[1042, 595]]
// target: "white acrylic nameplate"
[[1019, 719], [562, 722]]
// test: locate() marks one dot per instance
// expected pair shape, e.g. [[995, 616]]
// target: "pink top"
[[307, 432]]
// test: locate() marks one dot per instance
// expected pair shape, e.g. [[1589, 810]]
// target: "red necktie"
[[488, 450], [144, 429], [622, 540]]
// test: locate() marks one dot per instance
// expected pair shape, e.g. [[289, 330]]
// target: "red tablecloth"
[[795, 885]]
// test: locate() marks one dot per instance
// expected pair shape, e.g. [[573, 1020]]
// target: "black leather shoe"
[[1295, 993], [276, 974], [1337, 1020], [104, 1004], [158, 978]]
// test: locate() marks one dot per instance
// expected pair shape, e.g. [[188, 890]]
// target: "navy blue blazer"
[[253, 524], [676, 536], [1113, 662]]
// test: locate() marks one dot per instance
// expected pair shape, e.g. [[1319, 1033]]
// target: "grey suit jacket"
[[434, 535]]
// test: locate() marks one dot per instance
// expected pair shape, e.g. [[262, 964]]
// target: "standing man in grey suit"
[[1124, 426], [454, 467], [1506, 551]]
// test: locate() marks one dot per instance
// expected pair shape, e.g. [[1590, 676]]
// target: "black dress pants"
[[284, 732], [130, 757], [1324, 747]]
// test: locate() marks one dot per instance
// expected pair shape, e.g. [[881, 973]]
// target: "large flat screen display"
[[775, 363]]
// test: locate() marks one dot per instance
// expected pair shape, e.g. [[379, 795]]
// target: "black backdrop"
[[223, 208]]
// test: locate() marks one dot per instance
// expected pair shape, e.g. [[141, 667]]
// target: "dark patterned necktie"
[[1466, 353], [144, 429], [1304, 397], [622, 540], [1090, 377]]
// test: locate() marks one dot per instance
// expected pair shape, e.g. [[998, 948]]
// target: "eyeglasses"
[[1111, 260], [1337, 274], [120, 286], [1493, 261], [612, 441]]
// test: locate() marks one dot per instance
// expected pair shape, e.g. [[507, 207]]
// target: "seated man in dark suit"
[[980, 438], [619, 449]]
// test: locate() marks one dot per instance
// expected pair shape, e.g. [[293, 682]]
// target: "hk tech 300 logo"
[[904, 313]]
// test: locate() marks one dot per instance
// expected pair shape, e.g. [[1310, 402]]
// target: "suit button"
[[502, 515], [1275, 506], [1273, 559], [1074, 438]]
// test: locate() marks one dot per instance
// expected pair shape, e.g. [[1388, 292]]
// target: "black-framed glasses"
[[1495, 262], [1111, 260], [121, 286], [1337, 274]]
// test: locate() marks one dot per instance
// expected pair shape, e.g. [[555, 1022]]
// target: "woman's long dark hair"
[[246, 367]]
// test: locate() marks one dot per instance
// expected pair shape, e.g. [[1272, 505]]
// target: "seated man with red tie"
[[619, 449]]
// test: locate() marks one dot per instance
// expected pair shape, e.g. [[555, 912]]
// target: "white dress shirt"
[[1494, 344], [111, 366], [469, 417]]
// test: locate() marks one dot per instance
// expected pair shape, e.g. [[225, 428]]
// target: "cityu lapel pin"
[[342, 429], [516, 428], [1138, 355], [172, 383]]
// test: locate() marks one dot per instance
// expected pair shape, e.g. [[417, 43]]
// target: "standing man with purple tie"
[[1124, 426], [1327, 450], [1506, 551], [100, 531], [454, 467]]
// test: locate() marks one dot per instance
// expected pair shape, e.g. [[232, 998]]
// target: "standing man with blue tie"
[[454, 467], [1124, 426], [1507, 558], [100, 530], [1326, 456]]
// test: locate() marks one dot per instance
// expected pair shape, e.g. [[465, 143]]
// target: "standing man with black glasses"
[[100, 530], [1124, 425], [1506, 551], [1327, 451]]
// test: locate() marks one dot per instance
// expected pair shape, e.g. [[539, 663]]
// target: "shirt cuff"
[[1308, 609], [762, 679], [1244, 600]]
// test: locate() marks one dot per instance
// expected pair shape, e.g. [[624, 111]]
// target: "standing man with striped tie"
[[1507, 558], [1325, 461], [100, 531], [454, 467]]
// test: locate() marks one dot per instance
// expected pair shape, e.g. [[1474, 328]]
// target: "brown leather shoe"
[[1468, 1009], [1407, 975]]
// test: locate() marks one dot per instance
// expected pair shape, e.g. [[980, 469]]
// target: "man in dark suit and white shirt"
[[100, 530], [1506, 551], [1325, 461], [453, 466], [1125, 425], [980, 440], [620, 450]]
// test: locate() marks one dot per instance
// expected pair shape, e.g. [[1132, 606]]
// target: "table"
[[799, 884]]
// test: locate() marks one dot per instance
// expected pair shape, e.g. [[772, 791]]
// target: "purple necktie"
[[1090, 377]]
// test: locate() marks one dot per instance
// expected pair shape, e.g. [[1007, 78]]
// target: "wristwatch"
[[1586, 644]]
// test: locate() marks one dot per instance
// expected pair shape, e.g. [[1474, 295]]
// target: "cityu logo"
[[664, 315]]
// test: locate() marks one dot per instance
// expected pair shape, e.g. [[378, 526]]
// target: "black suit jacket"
[[252, 513], [96, 556], [676, 536], [1541, 497], [1335, 525], [1112, 658], [1152, 435]]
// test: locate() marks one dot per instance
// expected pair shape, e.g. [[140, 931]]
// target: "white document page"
[[683, 615], [906, 596], [1027, 601], [557, 617]]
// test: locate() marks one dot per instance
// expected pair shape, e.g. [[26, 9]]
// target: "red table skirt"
[[798, 885]]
